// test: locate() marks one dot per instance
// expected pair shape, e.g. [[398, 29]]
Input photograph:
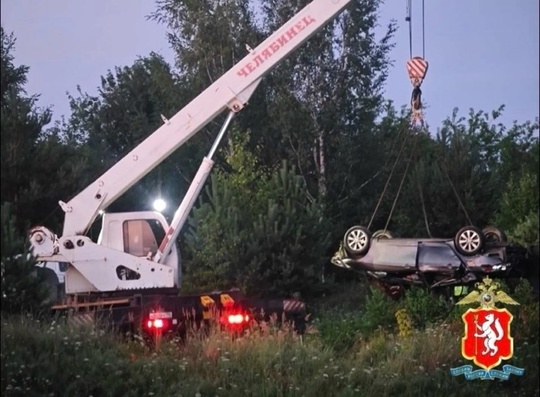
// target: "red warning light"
[[237, 318], [158, 323], [159, 320]]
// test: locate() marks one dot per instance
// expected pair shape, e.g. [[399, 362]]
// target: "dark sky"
[[482, 53]]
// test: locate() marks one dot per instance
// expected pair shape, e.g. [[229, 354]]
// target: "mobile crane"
[[132, 272]]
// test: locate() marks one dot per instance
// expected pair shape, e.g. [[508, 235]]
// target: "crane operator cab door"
[[138, 234]]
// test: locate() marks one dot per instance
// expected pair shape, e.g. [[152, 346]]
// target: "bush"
[[23, 289], [379, 312], [55, 358], [340, 331], [424, 307]]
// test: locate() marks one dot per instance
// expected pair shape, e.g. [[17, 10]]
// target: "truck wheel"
[[382, 234], [469, 240], [493, 234], [357, 240]]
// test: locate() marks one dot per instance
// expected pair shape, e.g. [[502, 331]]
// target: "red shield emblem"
[[487, 338]]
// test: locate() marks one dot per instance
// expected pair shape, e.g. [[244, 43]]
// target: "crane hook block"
[[417, 115], [417, 68]]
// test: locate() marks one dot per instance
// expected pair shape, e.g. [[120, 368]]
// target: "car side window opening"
[[390, 253], [433, 256]]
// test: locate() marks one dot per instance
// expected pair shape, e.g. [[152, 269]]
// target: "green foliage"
[[128, 108], [449, 166], [207, 37], [21, 124], [56, 358], [328, 96], [519, 212], [424, 306], [22, 287], [473, 160], [258, 231], [38, 167], [264, 225], [527, 314], [340, 331], [12, 78], [317, 109], [281, 235], [379, 311]]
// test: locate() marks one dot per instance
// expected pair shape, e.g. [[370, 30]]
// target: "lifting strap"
[[413, 152], [416, 134], [424, 212], [417, 68], [445, 170], [389, 178]]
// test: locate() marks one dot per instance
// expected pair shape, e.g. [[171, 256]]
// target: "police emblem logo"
[[487, 340]]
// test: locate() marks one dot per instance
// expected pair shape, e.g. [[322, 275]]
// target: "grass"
[[345, 353]]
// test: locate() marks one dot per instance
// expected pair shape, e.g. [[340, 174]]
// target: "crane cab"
[[139, 234]]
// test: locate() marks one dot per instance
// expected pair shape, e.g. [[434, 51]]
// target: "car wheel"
[[382, 234], [469, 240], [356, 240], [493, 234]]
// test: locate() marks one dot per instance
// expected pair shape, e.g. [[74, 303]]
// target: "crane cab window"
[[142, 236]]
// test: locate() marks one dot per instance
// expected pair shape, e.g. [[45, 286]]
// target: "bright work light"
[[160, 204]]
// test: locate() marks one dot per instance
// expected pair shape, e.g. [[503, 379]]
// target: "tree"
[[23, 289], [128, 108], [317, 109], [518, 213], [465, 173], [209, 37], [256, 230], [330, 93], [21, 125], [39, 166]]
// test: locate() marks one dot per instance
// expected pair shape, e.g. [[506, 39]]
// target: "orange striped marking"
[[417, 68]]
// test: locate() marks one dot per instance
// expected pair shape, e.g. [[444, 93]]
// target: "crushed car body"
[[431, 262]]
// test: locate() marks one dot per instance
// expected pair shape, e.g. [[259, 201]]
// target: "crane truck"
[[131, 276]]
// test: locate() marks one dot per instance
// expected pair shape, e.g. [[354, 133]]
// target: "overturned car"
[[430, 262]]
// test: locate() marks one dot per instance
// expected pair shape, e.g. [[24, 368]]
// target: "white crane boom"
[[231, 90], [111, 263]]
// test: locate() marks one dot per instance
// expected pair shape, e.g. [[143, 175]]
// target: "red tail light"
[[159, 320], [158, 323], [237, 318]]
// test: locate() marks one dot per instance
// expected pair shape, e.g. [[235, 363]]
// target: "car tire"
[[382, 234], [357, 240], [469, 240], [493, 234]]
